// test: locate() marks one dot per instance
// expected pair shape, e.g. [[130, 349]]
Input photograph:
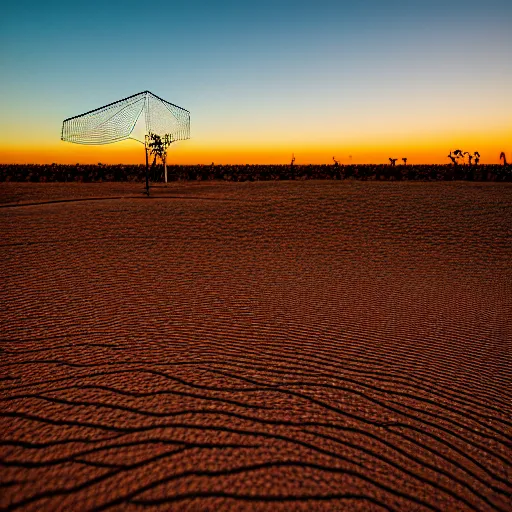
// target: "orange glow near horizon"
[[428, 150]]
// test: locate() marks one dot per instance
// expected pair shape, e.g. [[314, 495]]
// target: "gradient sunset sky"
[[264, 79]]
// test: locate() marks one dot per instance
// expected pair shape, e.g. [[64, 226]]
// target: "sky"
[[360, 81]]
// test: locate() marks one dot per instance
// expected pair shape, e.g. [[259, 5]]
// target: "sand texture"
[[272, 346]]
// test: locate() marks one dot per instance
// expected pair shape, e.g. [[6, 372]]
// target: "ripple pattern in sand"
[[288, 346]]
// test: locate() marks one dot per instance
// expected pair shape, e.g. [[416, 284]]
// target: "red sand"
[[257, 346]]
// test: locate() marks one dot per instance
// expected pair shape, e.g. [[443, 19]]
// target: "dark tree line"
[[136, 173]]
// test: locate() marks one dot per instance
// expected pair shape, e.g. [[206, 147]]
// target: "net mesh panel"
[[116, 121], [165, 118]]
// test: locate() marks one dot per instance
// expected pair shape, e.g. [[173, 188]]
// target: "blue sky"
[[264, 74]]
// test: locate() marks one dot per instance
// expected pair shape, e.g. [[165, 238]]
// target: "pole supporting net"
[[123, 120]]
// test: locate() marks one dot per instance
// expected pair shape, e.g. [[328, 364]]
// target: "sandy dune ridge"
[[256, 346]]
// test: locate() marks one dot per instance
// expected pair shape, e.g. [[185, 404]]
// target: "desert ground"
[[273, 346]]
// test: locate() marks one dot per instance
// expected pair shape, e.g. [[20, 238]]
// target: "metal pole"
[[165, 166], [147, 165]]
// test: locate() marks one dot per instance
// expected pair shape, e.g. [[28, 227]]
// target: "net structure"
[[118, 121]]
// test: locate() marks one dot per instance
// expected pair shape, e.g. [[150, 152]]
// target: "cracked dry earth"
[[258, 346]]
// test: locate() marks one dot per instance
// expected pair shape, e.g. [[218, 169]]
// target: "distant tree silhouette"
[[477, 157], [470, 157], [453, 159], [459, 154], [156, 146], [392, 161], [503, 157], [336, 167], [405, 161], [157, 149], [292, 168]]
